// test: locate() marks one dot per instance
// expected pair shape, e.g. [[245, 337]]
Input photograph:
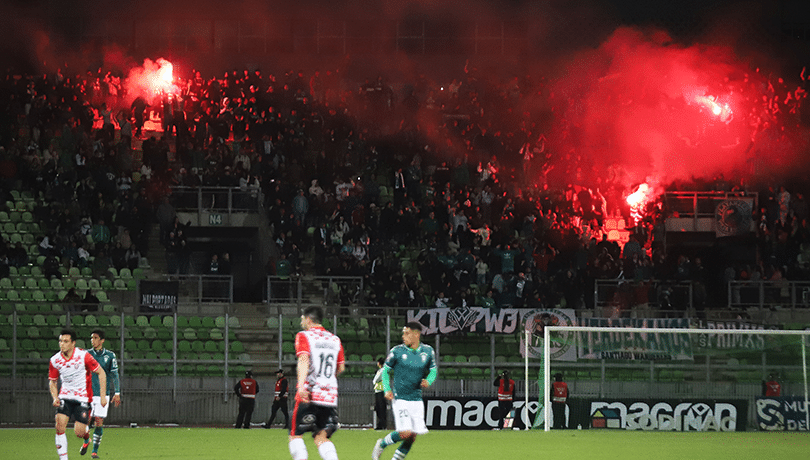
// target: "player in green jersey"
[[414, 366], [106, 359]]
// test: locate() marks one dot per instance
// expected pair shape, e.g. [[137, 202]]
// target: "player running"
[[414, 366], [320, 361], [73, 367], [106, 359]]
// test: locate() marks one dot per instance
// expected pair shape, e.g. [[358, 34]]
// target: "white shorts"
[[409, 416], [99, 410]]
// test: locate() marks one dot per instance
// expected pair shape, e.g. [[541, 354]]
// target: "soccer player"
[[73, 367], [106, 359], [320, 361], [414, 366]]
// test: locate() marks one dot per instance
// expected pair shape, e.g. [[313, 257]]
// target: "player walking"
[[106, 359], [320, 361], [73, 367], [414, 366]]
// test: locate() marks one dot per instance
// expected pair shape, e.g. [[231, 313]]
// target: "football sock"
[[402, 451], [61, 446], [391, 438], [97, 437], [298, 449], [327, 451]]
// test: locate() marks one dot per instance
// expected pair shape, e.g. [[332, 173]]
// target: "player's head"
[[558, 377], [97, 339], [311, 316], [280, 372], [411, 334], [67, 340], [380, 362], [248, 375]]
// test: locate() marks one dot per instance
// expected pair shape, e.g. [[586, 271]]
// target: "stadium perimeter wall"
[[210, 400]]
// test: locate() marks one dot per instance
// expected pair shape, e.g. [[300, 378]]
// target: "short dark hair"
[[99, 333], [314, 313], [380, 361], [414, 326], [69, 332]]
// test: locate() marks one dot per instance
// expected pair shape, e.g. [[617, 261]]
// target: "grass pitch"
[[223, 443]]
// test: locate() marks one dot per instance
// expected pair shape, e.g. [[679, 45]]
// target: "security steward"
[[246, 390], [559, 397], [280, 401], [506, 394]]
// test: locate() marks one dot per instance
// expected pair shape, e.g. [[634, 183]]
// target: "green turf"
[[223, 443]]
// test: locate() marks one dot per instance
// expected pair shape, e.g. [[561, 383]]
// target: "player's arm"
[[386, 381], [102, 383], [302, 394], [116, 399], [341, 361], [54, 388], [432, 374]]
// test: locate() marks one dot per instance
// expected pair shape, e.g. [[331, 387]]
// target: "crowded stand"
[[445, 195]]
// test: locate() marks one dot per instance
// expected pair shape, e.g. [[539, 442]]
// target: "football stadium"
[[530, 228]]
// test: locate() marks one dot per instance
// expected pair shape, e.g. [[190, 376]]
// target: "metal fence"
[[190, 382]]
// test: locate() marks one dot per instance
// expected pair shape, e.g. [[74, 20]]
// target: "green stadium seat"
[[211, 346], [215, 334], [94, 284], [198, 346], [120, 285], [195, 322], [125, 273], [237, 347], [189, 334]]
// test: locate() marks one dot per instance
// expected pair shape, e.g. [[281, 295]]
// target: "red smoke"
[[151, 80], [652, 108]]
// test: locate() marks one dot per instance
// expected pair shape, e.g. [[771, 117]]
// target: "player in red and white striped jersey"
[[320, 361], [74, 368]]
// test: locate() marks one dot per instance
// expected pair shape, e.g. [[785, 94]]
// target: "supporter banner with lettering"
[[717, 340], [159, 296], [618, 344], [669, 414], [787, 413], [476, 319], [562, 346], [732, 218]]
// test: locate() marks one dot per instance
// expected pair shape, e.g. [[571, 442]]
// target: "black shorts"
[[78, 411], [314, 418]]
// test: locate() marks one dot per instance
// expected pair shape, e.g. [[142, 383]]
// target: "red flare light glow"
[[151, 80], [723, 111], [638, 201]]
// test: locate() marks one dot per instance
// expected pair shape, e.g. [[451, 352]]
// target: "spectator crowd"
[[436, 195]]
